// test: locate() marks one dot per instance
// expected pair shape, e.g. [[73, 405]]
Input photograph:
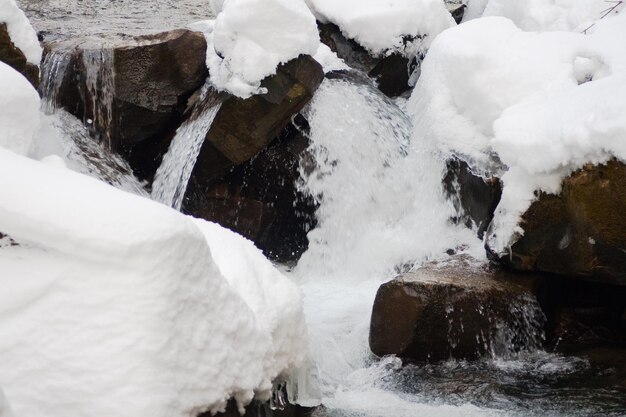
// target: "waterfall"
[[53, 71], [172, 177]]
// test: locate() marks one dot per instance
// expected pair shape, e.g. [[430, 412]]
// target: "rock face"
[[133, 90], [259, 199], [457, 311], [391, 73], [14, 57], [474, 197], [580, 233], [245, 175], [583, 315]]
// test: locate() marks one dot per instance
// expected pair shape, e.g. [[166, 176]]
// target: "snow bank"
[[548, 15], [329, 60], [250, 38], [114, 306], [5, 408], [382, 26], [537, 104], [19, 111], [22, 33]]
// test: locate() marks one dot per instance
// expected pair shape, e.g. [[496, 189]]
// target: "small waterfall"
[[53, 71], [172, 177], [99, 87]]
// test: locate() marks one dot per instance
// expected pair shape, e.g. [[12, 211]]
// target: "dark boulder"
[[475, 197], [583, 315], [129, 90], [246, 172], [455, 311], [14, 57], [391, 73], [259, 199], [579, 233]]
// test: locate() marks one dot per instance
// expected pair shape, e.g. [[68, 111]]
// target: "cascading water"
[[382, 210], [172, 177], [66, 135]]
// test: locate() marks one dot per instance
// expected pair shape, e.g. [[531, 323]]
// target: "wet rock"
[[259, 199], [128, 90], [579, 233], [391, 73], [475, 198], [258, 409], [455, 311], [583, 315], [14, 57]]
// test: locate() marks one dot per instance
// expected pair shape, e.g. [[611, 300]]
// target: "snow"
[[5, 407], [533, 106], [245, 45], [548, 15], [381, 26], [19, 115], [113, 304], [21, 32], [329, 60]]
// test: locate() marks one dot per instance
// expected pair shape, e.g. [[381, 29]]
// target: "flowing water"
[[172, 177], [61, 19], [382, 211]]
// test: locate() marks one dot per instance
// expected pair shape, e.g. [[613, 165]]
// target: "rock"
[[258, 409], [456, 311], [583, 315], [579, 233], [245, 175], [457, 10], [475, 198], [260, 201], [14, 57], [131, 90], [391, 73]]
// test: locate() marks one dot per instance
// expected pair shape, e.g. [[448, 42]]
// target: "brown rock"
[[132, 90], [580, 233], [260, 201], [14, 57], [455, 311]]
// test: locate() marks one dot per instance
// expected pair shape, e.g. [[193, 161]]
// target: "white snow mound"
[[381, 26], [21, 32], [19, 111], [543, 103], [113, 305], [250, 38]]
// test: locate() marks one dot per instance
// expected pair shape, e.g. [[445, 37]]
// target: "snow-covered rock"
[[22, 33], [250, 38], [386, 26], [538, 105], [19, 111], [548, 15], [113, 305]]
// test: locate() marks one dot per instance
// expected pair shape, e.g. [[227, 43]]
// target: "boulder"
[[580, 233], [259, 199], [14, 57], [391, 73], [475, 197], [455, 311], [129, 90], [583, 315]]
